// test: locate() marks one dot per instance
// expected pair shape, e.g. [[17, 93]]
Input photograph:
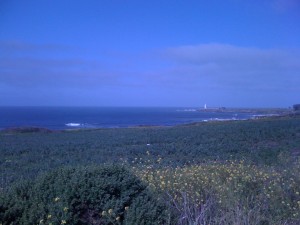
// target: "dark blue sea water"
[[58, 118]]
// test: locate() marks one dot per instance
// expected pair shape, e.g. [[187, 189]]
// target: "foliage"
[[228, 193], [15, 130], [86, 195], [235, 172], [261, 142]]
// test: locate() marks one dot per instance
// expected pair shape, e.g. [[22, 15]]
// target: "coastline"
[[65, 119], [37, 129]]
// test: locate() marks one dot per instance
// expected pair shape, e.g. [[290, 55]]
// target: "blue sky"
[[232, 53]]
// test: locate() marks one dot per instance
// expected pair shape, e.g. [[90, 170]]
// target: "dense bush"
[[86, 195]]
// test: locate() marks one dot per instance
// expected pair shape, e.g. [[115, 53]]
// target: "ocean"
[[61, 118]]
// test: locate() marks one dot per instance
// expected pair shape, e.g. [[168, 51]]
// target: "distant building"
[[296, 107], [211, 109]]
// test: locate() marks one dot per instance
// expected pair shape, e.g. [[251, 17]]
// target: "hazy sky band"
[[150, 53]]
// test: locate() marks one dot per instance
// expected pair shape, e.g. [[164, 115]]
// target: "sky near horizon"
[[232, 53]]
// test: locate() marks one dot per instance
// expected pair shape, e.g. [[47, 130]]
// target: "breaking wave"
[[73, 124]]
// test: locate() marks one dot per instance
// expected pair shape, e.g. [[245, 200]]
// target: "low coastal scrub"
[[219, 173], [231, 192], [87, 195], [261, 142], [15, 130]]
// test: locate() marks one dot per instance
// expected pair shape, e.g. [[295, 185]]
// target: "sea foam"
[[73, 124]]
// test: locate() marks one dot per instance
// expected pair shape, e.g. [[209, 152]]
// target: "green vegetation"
[[229, 193], [88, 195], [235, 172]]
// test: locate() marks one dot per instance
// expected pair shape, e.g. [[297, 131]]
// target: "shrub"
[[85, 195], [231, 192]]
